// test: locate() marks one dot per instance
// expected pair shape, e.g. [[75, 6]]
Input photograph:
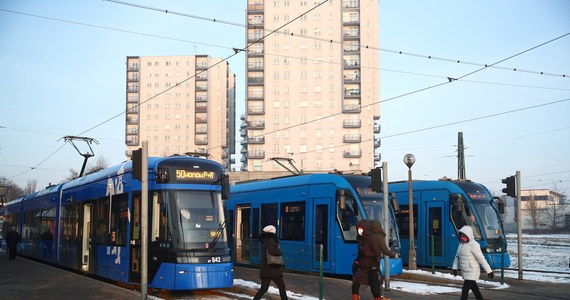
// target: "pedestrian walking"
[[468, 258], [378, 232], [12, 240], [267, 273], [368, 266]]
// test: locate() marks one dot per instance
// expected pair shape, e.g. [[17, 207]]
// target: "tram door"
[[320, 234], [243, 233], [86, 243], [135, 257], [434, 238]]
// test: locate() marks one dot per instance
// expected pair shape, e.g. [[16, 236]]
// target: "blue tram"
[[441, 208], [93, 224], [309, 211]]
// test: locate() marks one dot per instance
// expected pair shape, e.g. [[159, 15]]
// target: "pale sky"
[[64, 74]]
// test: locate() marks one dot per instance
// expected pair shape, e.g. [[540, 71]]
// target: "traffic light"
[[136, 170], [376, 175], [510, 190]]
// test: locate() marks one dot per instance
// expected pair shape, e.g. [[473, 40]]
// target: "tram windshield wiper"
[[218, 234]]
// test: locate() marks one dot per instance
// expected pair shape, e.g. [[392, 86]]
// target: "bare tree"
[[9, 190], [98, 165], [556, 210], [30, 186], [533, 210]]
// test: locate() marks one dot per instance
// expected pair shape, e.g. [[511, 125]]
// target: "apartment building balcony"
[[256, 154], [377, 143], [201, 88], [132, 120], [350, 123], [244, 142], [355, 153], [256, 140], [133, 78], [132, 131], [132, 89], [132, 141], [243, 149], [256, 125], [378, 157], [133, 110], [201, 141], [132, 99], [351, 65], [201, 98], [201, 108], [243, 132], [377, 128], [351, 36], [255, 80], [202, 76], [350, 4], [256, 110], [351, 138], [351, 79], [255, 7], [352, 92], [351, 108]]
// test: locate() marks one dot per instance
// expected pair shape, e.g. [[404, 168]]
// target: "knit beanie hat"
[[269, 229]]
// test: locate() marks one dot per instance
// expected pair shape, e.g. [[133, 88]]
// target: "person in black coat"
[[369, 253], [270, 243], [12, 240]]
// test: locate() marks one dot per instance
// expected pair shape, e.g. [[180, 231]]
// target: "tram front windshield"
[[197, 220], [374, 208], [488, 218]]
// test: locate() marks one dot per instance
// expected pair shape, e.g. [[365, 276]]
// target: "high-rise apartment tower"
[[312, 86], [181, 104]]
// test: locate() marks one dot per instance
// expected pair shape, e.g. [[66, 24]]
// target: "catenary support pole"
[[144, 220], [386, 224], [519, 225]]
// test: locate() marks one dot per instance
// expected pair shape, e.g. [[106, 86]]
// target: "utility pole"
[[460, 157]]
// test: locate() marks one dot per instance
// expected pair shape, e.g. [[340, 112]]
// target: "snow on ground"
[[548, 252]]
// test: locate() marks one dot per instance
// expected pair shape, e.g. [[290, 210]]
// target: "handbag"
[[273, 260]]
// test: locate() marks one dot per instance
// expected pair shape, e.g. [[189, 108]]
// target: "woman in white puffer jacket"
[[468, 258]]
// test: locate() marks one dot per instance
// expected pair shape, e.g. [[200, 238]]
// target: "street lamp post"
[[409, 160]]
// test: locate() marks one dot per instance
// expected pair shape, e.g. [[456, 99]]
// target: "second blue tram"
[[93, 224], [441, 208], [309, 211]]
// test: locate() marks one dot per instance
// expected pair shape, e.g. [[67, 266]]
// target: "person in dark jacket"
[[368, 262], [270, 243], [12, 240], [377, 231]]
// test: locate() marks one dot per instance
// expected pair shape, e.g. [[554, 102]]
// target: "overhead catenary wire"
[[294, 57], [373, 47], [288, 127], [178, 83]]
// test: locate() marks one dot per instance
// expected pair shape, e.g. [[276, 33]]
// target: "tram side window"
[[112, 231], [268, 214], [293, 221], [403, 217]]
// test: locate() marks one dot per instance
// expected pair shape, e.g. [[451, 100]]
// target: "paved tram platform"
[[29, 280]]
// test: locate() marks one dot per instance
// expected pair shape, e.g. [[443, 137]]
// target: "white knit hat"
[[270, 228]]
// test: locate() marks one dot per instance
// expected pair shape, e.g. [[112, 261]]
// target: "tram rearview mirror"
[[457, 201], [341, 198]]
